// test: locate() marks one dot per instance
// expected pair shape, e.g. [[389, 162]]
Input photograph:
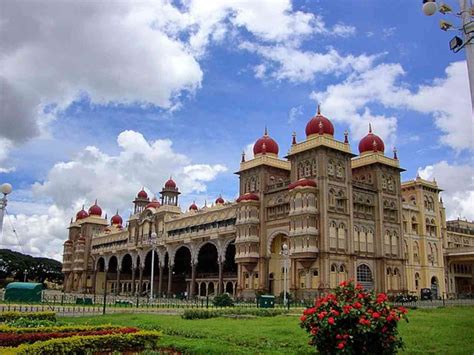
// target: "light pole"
[[5, 189], [285, 253], [467, 28], [153, 241]]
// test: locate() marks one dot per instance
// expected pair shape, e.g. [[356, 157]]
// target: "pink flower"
[[357, 305], [303, 318], [331, 320], [376, 315], [341, 345]]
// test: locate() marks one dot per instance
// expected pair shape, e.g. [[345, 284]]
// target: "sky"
[[100, 98]]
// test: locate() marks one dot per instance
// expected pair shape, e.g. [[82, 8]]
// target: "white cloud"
[[294, 113], [446, 99], [343, 30], [284, 62], [113, 179], [457, 181]]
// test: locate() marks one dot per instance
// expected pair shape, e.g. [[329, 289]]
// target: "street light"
[[5, 189], [467, 28], [153, 241], [285, 253]]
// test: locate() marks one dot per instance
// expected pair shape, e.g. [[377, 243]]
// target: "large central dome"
[[266, 145]]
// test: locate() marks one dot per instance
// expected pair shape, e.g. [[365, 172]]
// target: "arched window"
[[417, 281], [388, 279], [314, 168], [341, 236], [416, 252], [356, 238], [414, 225], [396, 279], [331, 168], [394, 243], [370, 240], [307, 169], [333, 235], [333, 276], [364, 276], [387, 242]]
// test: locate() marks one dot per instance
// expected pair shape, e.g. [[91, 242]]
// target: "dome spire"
[[395, 153], [243, 156], [319, 109], [370, 127], [346, 137], [266, 131], [293, 141]]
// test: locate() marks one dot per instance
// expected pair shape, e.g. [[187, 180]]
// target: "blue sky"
[[201, 84]]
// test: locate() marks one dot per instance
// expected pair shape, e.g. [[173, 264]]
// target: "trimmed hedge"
[[13, 339], [56, 329], [10, 316], [84, 344], [214, 313]]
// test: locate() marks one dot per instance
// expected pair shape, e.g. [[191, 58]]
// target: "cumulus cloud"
[[112, 179], [446, 99], [457, 181]]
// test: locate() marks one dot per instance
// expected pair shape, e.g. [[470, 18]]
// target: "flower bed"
[[213, 313], [11, 316], [54, 329], [136, 341], [15, 339], [353, 321]]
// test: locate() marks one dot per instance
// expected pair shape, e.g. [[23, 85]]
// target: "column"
[[160, 281], [94, 281], [221, 276], [193, 280], [134, 269], [117, 288], [170, 278], [140, 280]]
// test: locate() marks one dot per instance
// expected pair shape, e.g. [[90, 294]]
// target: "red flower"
[[339, 336], [343, 284], [347, 308], [303, 318], [402, 309], [358, 287], [341, 345], [376, 315], [331, 320], [360, 296], [314, 330], [357, 305], [322, 315], [336, 313], [381, 297]]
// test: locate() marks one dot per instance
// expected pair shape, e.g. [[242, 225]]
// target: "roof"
[[23, 285]]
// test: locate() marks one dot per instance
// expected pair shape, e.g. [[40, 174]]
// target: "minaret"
[[169, 193]]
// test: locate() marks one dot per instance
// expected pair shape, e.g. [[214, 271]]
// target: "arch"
[[364, 276], [207, 260], [273, 236], [230, 266], [100, 264], [181, 270], [113, 264], [417, 280]]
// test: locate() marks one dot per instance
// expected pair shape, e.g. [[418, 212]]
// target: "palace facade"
[[342, 216]]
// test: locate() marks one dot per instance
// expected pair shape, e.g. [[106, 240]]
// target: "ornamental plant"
[[353, 321]]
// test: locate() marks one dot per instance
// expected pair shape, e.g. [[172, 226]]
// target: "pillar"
[[221, 277], [193, 280], [94, 281], [134, 269], [160, 281], [170, 278], [140, 280], [117, 287]]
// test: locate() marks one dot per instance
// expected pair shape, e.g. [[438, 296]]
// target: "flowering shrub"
[[353, 321]]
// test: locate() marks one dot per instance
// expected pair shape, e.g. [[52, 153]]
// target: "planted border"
[[11, 316], [80, 344], [53, 329], [214, 313], [12, 339]]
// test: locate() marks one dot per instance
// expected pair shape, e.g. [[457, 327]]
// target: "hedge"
[[56, 329], [12, 339], [84, 344], [10, 316], [205, 314]]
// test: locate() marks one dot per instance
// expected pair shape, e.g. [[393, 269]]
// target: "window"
[[364, 276]]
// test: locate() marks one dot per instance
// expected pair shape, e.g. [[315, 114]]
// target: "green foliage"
[[353, 320], [81, 344], [223, 300], [51, 329], [237, 311], [30, 323], [11, 316], [13, 265]]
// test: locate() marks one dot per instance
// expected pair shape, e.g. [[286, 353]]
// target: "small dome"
[[153, 204], [319, 125], [95, 210], [302, 183], [249, 196], [371, 143], [193, 207], [170, 184], [142, 194], [116, 219], [219, 200], [82, 214], [266, 144]]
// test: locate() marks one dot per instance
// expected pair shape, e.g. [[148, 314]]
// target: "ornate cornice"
[[265, 159], [315, 141], [375, 158]]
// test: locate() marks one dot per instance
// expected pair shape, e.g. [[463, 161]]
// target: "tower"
[[170, 193]]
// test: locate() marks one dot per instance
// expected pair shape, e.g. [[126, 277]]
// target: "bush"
[[85, 344], [30, 323], [353, 321], [223, 300], [54, 329], [214, 313], [11, 316], [13, 339]]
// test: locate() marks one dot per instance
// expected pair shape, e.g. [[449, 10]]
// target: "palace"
[[341, 216]]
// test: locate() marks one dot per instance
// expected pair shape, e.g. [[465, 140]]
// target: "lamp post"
[[285, 253], [5, 189], [153, 243], [466, 12]]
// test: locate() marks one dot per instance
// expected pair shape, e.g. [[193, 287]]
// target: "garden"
[[350, 321]]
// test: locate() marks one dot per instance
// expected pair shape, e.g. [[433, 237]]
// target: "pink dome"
[[95, 210], [319, 125], [371, 143], [116, 219], [302, 183], [82, 214], [266, 144], [249, 196], [193, 207], [170, 184], [142, 194], [219, 200]]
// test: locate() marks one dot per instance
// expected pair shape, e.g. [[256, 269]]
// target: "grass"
[[435, 331]]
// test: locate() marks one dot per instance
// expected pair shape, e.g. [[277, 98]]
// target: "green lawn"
[[441, 331]]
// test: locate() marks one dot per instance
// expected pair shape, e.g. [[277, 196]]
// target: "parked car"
[[426, 294]]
